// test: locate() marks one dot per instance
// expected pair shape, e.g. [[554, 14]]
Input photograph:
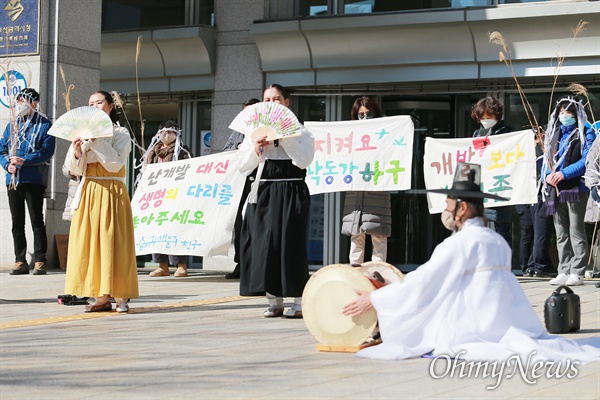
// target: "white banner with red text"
[[508, 167]]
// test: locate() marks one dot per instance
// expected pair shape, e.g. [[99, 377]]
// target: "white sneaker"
[[561, 279], [574, 280], [293, 313], [273, 312]]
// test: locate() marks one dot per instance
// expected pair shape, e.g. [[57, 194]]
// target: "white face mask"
[[22, 108], [448, 220], [488, 123]]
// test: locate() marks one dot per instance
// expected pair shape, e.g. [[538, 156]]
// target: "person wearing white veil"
[[477, 310], [566, 145], [167, 146]]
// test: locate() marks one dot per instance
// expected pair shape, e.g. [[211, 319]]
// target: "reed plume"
[[560, 59], [67, 93], [119, 103], [13, 143], [505, 56], [580, 90]]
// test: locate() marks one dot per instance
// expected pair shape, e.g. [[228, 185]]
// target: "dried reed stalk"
[[505, 57], [560, 59], [137, 87], [580, 90], [67, 93], [14, 128], [5, 67], [119, 103]]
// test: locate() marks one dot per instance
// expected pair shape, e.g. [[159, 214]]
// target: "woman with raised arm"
[[101, 255], [273, 259]]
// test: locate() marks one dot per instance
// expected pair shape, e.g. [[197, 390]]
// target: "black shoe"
[[542, 274], [71, 300], [529, 272], [20, 268], [235, 274], [40, 268]]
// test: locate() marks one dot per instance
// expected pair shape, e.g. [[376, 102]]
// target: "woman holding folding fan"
[[101, 255], [273, 259]]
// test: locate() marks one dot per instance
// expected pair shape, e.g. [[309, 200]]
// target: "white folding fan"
[[82, 122], [269, 119]]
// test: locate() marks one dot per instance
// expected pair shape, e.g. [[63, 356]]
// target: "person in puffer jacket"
[[367, 213], [566, 145]]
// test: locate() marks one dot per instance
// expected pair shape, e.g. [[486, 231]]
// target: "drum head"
[[378, 269], [325, 294]]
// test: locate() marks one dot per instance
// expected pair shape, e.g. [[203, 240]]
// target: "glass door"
[[415, 232]]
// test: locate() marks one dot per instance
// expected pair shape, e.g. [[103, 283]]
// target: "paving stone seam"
[[113, 313]]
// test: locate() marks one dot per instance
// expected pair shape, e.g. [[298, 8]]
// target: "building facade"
[[199, 60], [42, 41]]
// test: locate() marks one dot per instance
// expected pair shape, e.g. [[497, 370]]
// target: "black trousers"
[[33, 196], [526, 243], [543, 227], [536, 230]]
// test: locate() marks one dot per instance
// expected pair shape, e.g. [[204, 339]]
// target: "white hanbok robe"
[[299, 149], [465, 302]]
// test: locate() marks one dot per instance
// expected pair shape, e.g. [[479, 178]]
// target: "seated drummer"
[[465, 301]]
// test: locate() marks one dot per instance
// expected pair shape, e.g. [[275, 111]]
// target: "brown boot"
[[20, 268], [181, 271], [40, 268], [162, 270]]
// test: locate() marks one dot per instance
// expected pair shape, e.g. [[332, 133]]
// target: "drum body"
[[330, 289]]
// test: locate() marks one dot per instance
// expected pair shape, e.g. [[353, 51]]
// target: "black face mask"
[[367, 115]]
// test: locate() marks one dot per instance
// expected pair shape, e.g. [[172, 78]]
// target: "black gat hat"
[[466, 185]]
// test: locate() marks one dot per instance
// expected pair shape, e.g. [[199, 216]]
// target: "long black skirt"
[[273, 238]]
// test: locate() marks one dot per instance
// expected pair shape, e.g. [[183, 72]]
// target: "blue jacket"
[[36, 147], [576, 169]]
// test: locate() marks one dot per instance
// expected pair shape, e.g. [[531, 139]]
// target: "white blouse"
[[111, 152], [299, 149]]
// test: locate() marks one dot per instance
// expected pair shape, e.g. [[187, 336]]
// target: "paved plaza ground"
[[195, 338]]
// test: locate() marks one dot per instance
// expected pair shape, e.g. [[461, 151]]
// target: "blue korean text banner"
[[19, 27]]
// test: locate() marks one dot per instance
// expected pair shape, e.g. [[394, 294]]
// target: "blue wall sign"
[[9, 90], [19, 27]]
